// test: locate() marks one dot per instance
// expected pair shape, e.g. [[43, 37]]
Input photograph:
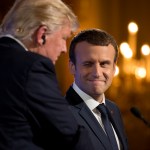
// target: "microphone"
[[138, 114]]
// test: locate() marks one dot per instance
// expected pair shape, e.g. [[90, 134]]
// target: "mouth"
[[97, 82]]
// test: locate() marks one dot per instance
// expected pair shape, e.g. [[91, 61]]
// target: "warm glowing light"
[[133, 27], [126, 50], [145, 49], [140, 72], [124, 46], [116, 71], [131, 64]]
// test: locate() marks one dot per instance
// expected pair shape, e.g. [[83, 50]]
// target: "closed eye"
[[87, 64]]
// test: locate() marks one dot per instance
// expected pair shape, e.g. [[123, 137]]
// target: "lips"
[[97, 82]]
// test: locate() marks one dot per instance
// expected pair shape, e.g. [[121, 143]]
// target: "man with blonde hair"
[[33, 113]]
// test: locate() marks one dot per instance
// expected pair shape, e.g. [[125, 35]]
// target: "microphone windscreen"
[[136, 112]]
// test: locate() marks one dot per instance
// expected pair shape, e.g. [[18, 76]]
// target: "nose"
[[96, 70], [64, 48]]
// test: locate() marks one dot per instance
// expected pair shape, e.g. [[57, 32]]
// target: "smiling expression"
[[94, 68]]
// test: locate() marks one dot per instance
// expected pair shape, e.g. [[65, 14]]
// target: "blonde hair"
[[26, 16]]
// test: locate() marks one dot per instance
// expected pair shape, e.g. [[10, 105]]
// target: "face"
[[55, 43], [94, 69]]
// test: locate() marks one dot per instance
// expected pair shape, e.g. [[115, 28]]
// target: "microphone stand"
[[145, 121], [138, 114]]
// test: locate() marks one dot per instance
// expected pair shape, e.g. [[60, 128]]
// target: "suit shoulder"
[[111, 103]]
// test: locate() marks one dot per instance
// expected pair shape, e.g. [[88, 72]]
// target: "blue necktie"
[[107, 126]]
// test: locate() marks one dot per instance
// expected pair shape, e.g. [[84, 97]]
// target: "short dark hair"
[[95, 37]]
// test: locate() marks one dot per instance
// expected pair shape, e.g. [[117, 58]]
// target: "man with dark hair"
[[93, 56]]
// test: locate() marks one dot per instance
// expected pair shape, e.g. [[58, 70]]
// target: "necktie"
[[107, 126]]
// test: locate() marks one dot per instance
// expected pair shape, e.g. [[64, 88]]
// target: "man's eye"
[[105, 64], [87, 64]]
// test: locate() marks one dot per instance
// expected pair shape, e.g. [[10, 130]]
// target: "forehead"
[[87, 50]]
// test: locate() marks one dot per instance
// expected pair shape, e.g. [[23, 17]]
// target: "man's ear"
[[71, 67], [41, 35]]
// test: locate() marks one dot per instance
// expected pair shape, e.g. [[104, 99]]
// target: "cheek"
[[110, 76], [60, 46], [81, 72], [55, 49], [78, 74], [83, 76]]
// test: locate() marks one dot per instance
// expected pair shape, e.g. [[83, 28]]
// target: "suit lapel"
[[85, 113], [116, 124], [93, 124]]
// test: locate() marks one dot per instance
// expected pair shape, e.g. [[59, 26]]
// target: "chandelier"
[[137, 67]]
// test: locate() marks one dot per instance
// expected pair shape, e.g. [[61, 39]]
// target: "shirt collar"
[[18, 41], [89, 101]]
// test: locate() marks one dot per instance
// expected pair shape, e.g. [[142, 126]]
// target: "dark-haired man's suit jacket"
[[33, 113], [86, 118]]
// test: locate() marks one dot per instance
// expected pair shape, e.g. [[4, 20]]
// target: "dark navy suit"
[[86, 118], [33, 113]]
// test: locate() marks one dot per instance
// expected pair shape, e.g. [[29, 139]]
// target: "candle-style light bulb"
[[132, 37], [145, 49], [132, 27]]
